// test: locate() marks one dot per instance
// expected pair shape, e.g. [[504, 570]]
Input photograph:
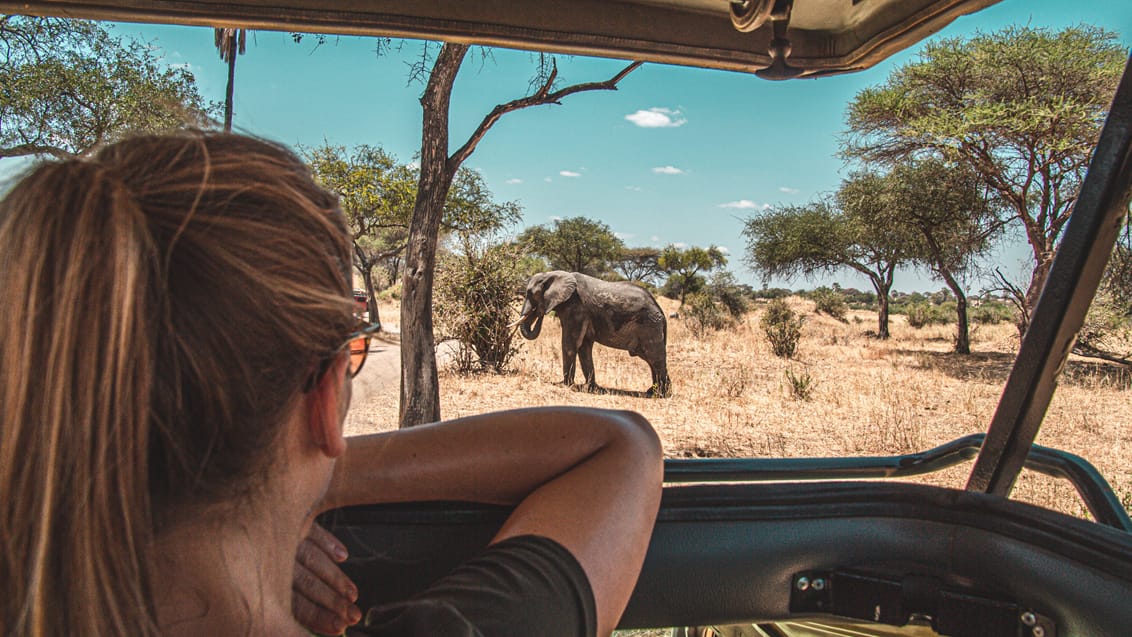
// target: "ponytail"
[[161, 306], [76, 269]]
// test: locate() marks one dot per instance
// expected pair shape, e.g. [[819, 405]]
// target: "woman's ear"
[[326, 408]]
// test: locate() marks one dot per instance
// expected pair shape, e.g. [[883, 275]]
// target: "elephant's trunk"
[[530, 321], [529, 331]]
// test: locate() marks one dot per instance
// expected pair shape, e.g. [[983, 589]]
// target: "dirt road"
[[377, 388]]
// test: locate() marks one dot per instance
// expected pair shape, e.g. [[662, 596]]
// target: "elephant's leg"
[[658, 364], [586, 354], [569, 356]]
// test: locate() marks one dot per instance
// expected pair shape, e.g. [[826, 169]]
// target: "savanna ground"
[[732, 396]]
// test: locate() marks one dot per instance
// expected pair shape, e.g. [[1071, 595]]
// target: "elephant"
[[616, 314]]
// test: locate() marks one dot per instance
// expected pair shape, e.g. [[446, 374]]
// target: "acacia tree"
[[944, 210], [377, 195], [67, 86], [849, 230], [638, 264], [683, 266], [1021, 107], [576, 244], [420, 391]]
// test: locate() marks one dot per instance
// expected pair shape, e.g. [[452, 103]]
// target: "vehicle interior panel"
[[731, 553]]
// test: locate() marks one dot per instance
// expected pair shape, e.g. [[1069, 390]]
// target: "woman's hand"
[[322, 596]]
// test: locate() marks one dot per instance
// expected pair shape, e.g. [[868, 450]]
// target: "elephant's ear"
[[560, 289]]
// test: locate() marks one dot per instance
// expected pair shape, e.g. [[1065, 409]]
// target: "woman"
[[177, 368]]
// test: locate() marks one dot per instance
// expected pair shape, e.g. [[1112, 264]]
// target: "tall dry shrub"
[[473, 301], [783, 328]]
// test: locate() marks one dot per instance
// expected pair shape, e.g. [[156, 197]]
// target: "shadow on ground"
[[611, 391], [994, 367]]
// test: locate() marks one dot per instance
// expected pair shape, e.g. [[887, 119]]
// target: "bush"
[[991, 313], [473, 302], [923, 314], [801, 385], [702, 313], [830, 302], [1107, 328], [783, 328], [734, 298]]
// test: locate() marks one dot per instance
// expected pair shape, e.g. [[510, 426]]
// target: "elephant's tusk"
[[516, 321]]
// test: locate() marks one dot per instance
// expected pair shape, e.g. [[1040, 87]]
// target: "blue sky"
[[732, 144]]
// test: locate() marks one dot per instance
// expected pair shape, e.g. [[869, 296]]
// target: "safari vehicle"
[[790, 546]]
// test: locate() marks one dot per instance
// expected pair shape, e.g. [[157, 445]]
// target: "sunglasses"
[[358, 343]]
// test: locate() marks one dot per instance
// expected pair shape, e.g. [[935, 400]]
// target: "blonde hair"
[[162, 303]]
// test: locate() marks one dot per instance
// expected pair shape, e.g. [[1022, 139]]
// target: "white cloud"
[[182, 65], [555, 218], [654, 239], [569, 173], [625, 236], [667, 170], [414, 165], [724, 249], [657, 118], [680, 244], [789, 191], [547, 179], [514, 180], [744, 204], [633, 188]]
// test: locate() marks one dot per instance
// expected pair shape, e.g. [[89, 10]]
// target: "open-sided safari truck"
[[783, 543]]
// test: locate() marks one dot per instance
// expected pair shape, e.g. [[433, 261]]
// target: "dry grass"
[[731, 396]]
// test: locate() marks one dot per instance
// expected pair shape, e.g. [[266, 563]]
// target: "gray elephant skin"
[[620, 315]]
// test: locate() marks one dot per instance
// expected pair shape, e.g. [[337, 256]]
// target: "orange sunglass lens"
[[359, 347]]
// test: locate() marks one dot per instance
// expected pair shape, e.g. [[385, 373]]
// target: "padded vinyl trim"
[[727, 553]]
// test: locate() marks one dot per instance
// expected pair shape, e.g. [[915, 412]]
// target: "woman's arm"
[[589, 479]]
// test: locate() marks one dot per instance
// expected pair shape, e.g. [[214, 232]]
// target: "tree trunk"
[[228, 93], [1037, 282], [883, 287], [882, 312], [963, 332], [420, 390], [371, 296]]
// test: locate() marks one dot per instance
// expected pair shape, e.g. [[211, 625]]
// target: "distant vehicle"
[[362, 299]]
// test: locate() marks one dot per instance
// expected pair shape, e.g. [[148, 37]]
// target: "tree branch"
[[23, 150], [542, 96]]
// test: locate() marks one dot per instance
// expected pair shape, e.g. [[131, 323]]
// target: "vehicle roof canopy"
[[776, 39]]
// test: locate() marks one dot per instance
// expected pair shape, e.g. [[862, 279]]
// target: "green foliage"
[[991, 313], [720, 305], [702, 314], [850, 230], [771, 293], [378, 195], [783, 328], [473, 298], [924, 314], [683, 267], [733, 297], [801, 385], [1020, 108], [830, 302], [67, 86], [576, 244], [1107, 330], [639, 264]]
